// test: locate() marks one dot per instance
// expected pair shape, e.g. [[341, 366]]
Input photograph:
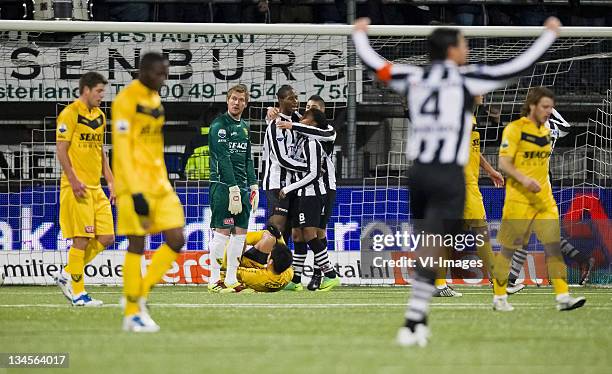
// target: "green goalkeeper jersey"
[[231, 162]]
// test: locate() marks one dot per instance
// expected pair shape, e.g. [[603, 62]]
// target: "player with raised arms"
[[85, 211], [146, 202], [440, 101]]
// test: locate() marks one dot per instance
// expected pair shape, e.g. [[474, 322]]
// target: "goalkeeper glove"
[[254, 197], [235, 202], [141, 207]]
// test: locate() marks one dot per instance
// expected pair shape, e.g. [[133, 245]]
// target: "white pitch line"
[[528, 292], [307, 306]]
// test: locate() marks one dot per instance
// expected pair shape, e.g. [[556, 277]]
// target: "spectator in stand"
[[130, 11], [291, 11], [255, 12], [184, 12]]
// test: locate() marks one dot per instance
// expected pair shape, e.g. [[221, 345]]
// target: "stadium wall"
[[33, 247]]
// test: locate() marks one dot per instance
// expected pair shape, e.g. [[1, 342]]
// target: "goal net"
[[39, 76]]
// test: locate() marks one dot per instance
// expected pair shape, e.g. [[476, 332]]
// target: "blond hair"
[[239, 88]]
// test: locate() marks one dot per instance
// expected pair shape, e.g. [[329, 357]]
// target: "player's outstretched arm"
[[481, 79], [314, 154], [393, 74], [324, 135], [281, 153]]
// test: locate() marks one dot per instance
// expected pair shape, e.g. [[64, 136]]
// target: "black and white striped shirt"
[[558, 126], [309, 182], [441, 96], [327, 138], [277, 148]]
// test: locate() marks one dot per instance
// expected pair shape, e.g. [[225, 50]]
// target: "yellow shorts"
[[519, 220], [474, 212], [85, 217], [165, 213]]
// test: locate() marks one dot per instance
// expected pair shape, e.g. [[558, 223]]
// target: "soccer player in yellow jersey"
[[146, 202], [474, 213], [266, 265], [85, 211], [529, 205]]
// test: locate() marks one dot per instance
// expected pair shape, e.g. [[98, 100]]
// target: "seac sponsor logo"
[[536, 154], [228, 221], [91, 137], [237, 145]]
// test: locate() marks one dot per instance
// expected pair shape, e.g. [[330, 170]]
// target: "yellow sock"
[[440, 283], [485, 252], [92, 250], [557, 272], [75, 267], [501, 268], [254, 237], [160, 263], [132, 282]]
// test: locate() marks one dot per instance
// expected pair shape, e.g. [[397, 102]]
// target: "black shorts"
[[307, 211], [328, 207], [278, 206], [256, 255], [437, 197]]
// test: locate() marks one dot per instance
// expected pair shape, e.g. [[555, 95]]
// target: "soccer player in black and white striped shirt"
[[329, 174], [279, 166], [440, 99], [307, 212]]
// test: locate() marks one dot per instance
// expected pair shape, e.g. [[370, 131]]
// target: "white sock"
[[216, 249], [500, 297], [234, 251]]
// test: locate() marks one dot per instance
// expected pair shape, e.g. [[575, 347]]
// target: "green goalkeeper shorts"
[[221, 218]]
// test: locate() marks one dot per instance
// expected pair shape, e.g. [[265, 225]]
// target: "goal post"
[[42, 61]]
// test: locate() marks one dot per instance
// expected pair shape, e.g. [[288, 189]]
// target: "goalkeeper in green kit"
[[234, 192]]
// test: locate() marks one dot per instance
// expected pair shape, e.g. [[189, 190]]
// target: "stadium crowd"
[[390, 12]]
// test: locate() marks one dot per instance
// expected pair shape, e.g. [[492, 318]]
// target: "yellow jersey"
[[529, 146], [138, 141], [259, 278], [472, 168], [84, 129]]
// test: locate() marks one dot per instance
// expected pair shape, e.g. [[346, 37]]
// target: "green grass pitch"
[[348, 330]]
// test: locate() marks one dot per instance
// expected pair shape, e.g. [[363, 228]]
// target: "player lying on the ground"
[[329, 171], [266, 265], [85, 211], [559, 128], [474, 214], [529, 204], [309, 207]]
